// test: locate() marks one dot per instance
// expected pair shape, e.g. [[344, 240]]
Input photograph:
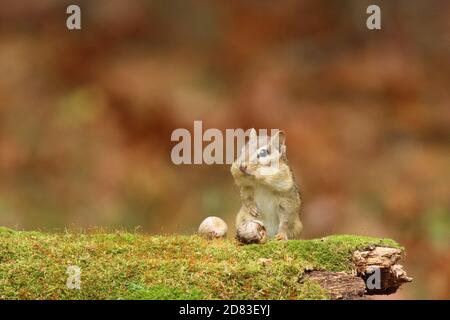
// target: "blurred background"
[[86, 116]]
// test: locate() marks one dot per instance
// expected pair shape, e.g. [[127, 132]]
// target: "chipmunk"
[[269, 193]]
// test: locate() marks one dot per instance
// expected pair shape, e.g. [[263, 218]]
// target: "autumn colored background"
[[86, 116]]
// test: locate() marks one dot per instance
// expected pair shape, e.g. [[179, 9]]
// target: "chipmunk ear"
[[278, 141]]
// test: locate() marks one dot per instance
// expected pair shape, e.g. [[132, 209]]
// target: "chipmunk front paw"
[[254, 211], [281, 236]]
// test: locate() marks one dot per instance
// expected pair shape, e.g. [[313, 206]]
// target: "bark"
[[386, 260], [368, 263], [339, 285]]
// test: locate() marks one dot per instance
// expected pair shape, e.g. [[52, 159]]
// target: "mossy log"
[[341, 285], [123, 265]]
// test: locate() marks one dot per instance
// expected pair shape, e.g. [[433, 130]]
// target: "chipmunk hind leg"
[[295, 229], [290, 228]]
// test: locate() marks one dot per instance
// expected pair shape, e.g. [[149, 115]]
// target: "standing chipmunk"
[[269, 193]]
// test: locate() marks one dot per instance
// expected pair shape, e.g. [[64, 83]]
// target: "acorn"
[[213, 228], [251, 231]]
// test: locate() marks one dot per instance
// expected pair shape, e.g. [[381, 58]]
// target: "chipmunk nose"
[[243, 167]]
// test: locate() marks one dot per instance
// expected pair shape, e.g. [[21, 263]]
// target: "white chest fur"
[[267, 204]]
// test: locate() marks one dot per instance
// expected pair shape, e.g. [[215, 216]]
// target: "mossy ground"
[[123, 265]]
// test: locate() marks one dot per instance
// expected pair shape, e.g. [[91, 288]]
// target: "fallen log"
[[123, 265], [376, 271]]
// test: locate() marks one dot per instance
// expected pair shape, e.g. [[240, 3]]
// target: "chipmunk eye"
[[262, 153]]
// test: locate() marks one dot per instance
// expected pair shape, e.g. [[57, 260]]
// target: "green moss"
[[123, 265], [6, 230], [160, 292]]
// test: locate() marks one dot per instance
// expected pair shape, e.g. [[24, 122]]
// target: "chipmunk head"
[[261, 154]]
